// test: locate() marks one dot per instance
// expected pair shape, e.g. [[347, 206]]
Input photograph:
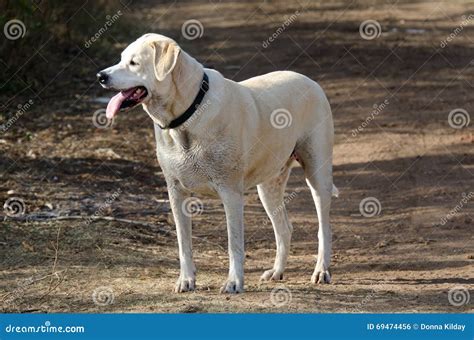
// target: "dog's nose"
[[103, 77]]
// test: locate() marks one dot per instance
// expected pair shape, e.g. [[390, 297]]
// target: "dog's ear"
[[165, 57]]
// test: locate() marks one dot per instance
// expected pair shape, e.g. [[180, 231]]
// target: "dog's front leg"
[[187, 276], [234, 210]]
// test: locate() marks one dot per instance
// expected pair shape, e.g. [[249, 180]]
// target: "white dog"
[[219, 137]]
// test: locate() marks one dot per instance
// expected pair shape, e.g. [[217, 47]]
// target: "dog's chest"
[[198, 167], [188, 167]]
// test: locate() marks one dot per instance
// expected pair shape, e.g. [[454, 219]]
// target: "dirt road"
[[391, 93]]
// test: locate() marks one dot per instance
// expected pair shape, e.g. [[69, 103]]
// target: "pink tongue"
[[116, 101]]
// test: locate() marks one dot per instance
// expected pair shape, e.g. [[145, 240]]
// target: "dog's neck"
[[181, 87]]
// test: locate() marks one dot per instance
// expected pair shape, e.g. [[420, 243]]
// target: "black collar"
[[189, 112]]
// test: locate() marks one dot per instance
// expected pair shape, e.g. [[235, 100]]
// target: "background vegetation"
[[56, 32]]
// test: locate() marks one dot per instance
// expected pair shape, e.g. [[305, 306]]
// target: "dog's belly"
[[260, 173], [267, 160]]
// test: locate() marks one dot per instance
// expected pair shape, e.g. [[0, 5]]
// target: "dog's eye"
[[133, 63]]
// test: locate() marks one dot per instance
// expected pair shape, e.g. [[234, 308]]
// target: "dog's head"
[[142, 73]]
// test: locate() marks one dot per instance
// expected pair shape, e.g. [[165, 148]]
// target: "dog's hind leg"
[[316, 158], [271, 194]]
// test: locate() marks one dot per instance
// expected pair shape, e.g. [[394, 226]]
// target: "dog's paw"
[[271, 275], [321, 276], [232, 287], [185, 285]]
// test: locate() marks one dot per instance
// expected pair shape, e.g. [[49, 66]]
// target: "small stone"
[[382, 244]]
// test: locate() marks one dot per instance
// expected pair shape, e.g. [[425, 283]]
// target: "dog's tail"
[[335, 191]]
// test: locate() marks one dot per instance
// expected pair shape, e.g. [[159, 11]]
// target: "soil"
[[413, 256]]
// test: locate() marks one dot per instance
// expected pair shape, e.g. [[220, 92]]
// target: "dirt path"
[[408, 158]]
